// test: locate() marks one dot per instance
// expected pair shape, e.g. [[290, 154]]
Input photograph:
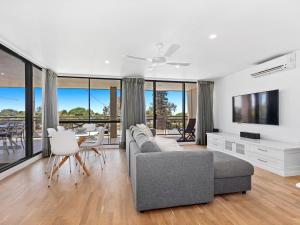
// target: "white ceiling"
[[76, 36]]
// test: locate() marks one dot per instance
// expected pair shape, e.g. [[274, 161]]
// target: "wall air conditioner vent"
[[275, 65]]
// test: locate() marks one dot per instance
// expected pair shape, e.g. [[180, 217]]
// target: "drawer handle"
[[264, 161], [263, 150]]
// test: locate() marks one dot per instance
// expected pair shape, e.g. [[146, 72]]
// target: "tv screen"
[[260, 108]]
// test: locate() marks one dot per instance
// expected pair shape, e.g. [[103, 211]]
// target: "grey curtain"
[[204, 121], [50, 115], [133, 105]]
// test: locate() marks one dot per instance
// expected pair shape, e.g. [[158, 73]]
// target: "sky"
[[14, 98]]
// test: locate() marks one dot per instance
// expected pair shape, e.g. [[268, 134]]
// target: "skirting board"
[[20, 166]]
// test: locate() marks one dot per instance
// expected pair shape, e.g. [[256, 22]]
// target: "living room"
[[138, 112]]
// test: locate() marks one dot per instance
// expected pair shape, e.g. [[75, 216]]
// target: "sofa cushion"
[[229, 166], [167, 144], [144, 142]]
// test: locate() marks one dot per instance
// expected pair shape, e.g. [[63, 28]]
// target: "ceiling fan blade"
[[171, 50], [178, 64], [134, 57]]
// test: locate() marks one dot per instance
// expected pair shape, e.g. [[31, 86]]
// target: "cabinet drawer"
[[214, 139], [266, 161], [267, 152], [215, 145]]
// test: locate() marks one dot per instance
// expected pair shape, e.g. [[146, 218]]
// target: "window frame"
[[28, 76]]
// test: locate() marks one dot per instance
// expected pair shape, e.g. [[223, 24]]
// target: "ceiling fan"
[[163, 58]]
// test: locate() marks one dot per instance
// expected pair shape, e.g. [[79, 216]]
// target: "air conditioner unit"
[[281, 63]]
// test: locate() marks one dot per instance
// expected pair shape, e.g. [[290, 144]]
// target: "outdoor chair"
[[187, 134]]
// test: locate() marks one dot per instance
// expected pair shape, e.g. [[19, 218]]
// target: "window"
[[90, 100], [37, 110], [149, 103], [73, 99], [105, 99], [190, 101], [105, 106]]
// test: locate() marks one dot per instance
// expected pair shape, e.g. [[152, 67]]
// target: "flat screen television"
[[259, 108]]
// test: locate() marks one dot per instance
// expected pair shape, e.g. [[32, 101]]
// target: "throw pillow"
[[146, 129]]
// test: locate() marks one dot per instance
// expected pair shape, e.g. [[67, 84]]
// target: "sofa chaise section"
[[231, 174]]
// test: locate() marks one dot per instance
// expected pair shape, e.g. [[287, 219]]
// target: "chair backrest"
[[51, 131], [100, 136], [89, 126], [191, 124], [64, 143], [60, 128]]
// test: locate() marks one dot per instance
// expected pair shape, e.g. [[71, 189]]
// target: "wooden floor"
[[106, 198]]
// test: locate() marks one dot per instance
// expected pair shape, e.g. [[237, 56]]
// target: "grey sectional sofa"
[[176, 178]]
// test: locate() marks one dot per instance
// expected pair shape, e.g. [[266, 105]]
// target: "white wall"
[[288, 83]]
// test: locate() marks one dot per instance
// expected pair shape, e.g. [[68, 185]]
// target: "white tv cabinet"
[[278, 157]]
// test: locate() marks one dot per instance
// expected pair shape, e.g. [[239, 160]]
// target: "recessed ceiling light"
[[177, 66], [2, 74], [212, 36], [107, 61]]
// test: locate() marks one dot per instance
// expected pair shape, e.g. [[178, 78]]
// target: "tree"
[[12, 112], [79, 111], [163, 106], [38, 109], [64, 112], [106, 110]]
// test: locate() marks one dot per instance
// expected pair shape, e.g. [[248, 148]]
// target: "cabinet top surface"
[[264, 142]]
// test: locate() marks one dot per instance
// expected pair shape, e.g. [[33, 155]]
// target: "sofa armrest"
[[167, 179]]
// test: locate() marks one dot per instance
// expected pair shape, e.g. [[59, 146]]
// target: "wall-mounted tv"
[[259, 108]]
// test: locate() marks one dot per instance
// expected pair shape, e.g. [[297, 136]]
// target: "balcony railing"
[[37, 123], [167, 125]]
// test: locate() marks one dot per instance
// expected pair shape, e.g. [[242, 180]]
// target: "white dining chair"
[[51, 132], [63, 144], [60, 128], [95, 145], [89, 127]]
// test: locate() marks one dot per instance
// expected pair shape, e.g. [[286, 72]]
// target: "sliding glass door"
[[149, 95], [20, 109], [12, 109], [37, 96], [171, 108]]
